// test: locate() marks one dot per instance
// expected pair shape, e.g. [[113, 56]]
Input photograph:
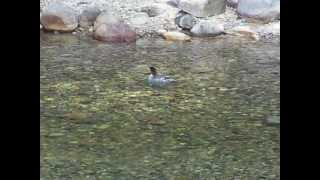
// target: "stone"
[[110, 28], [207, 28], [203, 8], [185, 21], [59, 17], [174, 36], [88, 16], [264, 10]]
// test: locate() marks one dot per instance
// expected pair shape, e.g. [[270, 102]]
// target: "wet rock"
[[232, 3], [203, 8], [264, 10], [207, 28], [174, 36], [59, 17], [88, 16], [111, 28], [185, 21]]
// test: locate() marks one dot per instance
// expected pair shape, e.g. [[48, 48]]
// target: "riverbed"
[[100, 119]]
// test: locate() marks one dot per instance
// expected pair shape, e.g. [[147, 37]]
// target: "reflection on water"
[[101, 120]]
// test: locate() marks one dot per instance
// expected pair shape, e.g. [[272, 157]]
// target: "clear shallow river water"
[[100, 119]]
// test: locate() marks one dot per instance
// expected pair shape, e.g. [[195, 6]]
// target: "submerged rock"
[[207, 28], [110, 28], [203, 8], [265, 10], [76, 116], [59, 17]]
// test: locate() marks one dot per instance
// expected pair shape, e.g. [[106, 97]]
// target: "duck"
[[156, 79]]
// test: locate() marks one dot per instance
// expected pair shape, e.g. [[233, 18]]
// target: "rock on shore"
[[110, 28], [59, 17]]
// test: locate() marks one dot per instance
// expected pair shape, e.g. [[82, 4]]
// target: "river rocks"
[[207, 28], [110, 28], [88, 16], [147, 17], [185, 21], [232, 3], [203, 8], [59, 17], [174, 36], [265, 10]]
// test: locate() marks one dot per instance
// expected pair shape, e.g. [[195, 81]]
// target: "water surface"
[[100, 119]]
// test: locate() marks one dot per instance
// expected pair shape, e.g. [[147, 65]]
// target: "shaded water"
[[100, 120]]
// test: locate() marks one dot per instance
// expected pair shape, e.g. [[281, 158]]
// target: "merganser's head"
[[153, 71]]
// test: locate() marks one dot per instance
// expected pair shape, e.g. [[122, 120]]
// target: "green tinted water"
[[100, 119]]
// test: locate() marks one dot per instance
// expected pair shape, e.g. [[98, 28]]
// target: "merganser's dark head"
[[153, 71]]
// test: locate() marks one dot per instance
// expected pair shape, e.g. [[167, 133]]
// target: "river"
[[100, 119]]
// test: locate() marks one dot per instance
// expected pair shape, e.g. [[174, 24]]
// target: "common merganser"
[[156, 79]]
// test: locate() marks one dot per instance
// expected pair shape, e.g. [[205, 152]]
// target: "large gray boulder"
[[59, 17], [265, 10], [110, 28], [207, 28], [202, 8]]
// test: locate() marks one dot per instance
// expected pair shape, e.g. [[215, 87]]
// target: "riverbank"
[[147, 17]]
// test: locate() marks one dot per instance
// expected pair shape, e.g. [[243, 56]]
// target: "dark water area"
[[101, 120]]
